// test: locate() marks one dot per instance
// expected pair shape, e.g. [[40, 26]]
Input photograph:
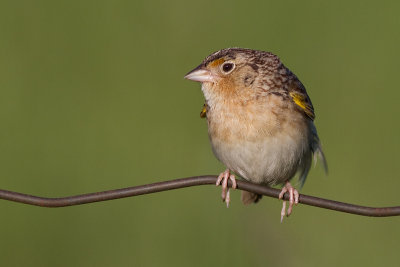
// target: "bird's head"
[[231, 71]]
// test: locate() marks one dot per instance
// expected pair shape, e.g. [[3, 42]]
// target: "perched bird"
[[260, 121]]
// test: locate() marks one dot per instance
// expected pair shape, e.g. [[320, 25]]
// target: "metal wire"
[[188, 182]]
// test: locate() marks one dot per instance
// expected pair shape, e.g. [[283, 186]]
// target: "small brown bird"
[[260, 121]]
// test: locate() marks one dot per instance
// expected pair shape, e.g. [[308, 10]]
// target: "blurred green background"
[[92, 97]]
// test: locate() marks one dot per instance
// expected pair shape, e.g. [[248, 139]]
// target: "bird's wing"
[[300, 98], [203, 112], [303, 101]]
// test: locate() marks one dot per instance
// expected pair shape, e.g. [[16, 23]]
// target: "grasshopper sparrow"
[[260, 121]]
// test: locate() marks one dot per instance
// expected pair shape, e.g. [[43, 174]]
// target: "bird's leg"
[[293, 199], [223, 177]]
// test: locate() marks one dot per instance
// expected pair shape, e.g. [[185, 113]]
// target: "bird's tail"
[[316, 151], [319, 155], [249, 197]]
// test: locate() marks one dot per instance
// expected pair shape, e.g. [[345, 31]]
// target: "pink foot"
[[223, 177], [293, 199]]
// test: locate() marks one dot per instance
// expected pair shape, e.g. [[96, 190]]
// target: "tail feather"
[[316, 151], [248, 197], [321, 156], [316, 148], [304, 169]]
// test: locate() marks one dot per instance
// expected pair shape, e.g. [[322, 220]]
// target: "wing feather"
[[301, 99]]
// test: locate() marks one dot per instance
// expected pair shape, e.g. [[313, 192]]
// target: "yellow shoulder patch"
[[203, 112], [303, 102]]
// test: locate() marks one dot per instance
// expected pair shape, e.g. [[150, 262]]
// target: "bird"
[[260, 121]]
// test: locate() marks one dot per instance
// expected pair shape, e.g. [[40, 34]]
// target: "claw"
[[228, 198], [293, 199], [233, 180], [223, 180], [283, 211]]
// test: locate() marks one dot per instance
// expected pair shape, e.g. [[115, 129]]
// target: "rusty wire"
[[188, 182]]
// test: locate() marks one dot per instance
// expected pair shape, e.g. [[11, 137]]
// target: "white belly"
[[272, 160]]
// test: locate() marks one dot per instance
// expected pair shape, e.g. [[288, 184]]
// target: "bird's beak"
[[199, 74]]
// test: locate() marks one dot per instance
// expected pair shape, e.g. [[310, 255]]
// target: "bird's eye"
[[227, 67]]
